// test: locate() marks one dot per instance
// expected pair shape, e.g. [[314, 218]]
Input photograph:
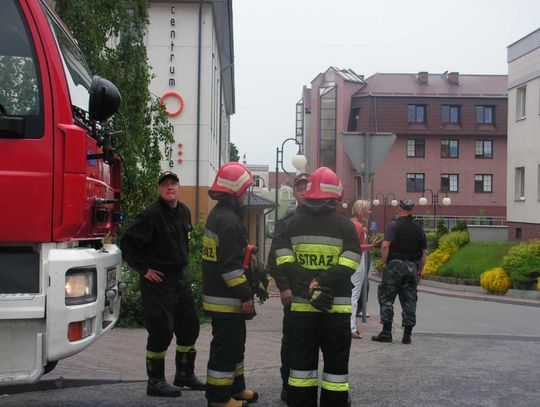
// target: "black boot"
[[157, 385], [185, 375], [385, 335], [407, 335]]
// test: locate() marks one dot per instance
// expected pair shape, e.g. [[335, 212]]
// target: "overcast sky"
[[281, 45]]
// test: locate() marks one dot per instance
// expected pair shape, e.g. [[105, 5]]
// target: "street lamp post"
[[299, 162], [389, 198], [434, 201]]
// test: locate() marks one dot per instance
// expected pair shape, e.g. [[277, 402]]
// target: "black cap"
[[167, 174], [302, 177], [406, 204]]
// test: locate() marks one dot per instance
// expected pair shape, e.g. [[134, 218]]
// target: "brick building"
[[451, 137]]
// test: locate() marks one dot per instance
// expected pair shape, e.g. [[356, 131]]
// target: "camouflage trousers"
[[399, 278]]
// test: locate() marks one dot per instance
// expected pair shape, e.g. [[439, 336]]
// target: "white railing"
[[429, 222]]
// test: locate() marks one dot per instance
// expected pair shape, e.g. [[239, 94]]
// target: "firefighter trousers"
[[225, 373], [169, 308], [399, 278], [331, 333], [286, 345]]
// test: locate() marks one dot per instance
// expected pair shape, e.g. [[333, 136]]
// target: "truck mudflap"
[[83, 298]]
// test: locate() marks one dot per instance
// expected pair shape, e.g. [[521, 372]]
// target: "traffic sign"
[[367, 149]]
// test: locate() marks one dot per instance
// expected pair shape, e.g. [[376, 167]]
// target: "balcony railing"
[[429, 223]]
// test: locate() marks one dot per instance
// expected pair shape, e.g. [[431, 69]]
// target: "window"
[[449, 148], [520, 184], [415, 182], [416, 114], [286, 193], [483, 149], [327, 153], [21, 100], [451, 114], [521, 102], [483, 183], [415, 148], [484, 114], [354, 116], [449, 182]]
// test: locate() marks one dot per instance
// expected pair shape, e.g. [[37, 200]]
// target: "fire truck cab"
[[59, 195]]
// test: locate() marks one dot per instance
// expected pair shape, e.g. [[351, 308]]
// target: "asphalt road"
[[464, 353]]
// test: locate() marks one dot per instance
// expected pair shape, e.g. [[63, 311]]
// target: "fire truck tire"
[[49, 367]]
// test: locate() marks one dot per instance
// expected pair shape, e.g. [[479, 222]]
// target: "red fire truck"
[[59, 195]]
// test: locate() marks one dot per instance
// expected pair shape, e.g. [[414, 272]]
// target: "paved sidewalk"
[[111, 372]]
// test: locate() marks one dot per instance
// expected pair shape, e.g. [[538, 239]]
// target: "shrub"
[[436, 259], [454, 240], [432, 240], [538, 283], [441, 228], [495, 280], [194, 271], [460, 226], [130, 309], [523, 261], [378, 265]]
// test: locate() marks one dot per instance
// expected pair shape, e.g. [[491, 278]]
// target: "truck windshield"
[[20, 87], [78, 74]]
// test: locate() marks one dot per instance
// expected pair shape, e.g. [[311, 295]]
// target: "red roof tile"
[[407, 84]]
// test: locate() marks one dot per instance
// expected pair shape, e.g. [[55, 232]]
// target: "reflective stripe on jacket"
[[225, 285]]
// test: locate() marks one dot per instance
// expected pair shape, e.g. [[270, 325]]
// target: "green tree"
[[142, 124], [233, 153]]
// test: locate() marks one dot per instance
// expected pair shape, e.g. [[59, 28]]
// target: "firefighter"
[[319, 251], [285, 293], [227, 295], [156, 246], [403, 255]]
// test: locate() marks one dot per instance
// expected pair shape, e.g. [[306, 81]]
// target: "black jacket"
[[408, 239], [158, 238], [320, 243], [225, 285]]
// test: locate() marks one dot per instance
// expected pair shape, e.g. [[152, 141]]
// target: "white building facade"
[[190, 51], [523, 170]]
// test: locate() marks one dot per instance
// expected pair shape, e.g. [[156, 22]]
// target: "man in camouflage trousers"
[[403, 252]]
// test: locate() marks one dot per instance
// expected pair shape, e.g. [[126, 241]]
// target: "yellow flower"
[[495, 280]]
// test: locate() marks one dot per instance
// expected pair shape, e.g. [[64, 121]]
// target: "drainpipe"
[[198, 148], [221, 107]]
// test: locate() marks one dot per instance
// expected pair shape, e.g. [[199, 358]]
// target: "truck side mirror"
[[105, 99]]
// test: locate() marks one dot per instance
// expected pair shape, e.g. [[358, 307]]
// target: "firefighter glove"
[[322, 298]]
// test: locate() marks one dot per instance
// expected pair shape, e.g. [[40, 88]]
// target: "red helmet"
[[233, 179], [324, 184]]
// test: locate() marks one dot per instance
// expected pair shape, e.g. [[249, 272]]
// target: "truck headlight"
[[81, 285]]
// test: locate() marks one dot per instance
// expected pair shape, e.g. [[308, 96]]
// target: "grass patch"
[[474, 258]]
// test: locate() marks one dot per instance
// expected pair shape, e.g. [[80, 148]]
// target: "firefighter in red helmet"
[[227, 295], [318, 251]]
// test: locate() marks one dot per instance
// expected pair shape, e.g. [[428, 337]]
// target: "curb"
[[515, 297]]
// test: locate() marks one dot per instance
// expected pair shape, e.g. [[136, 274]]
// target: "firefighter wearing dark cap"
[[318, 251], [227, 294], [285, 292], [403, 252], [156, 246]]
